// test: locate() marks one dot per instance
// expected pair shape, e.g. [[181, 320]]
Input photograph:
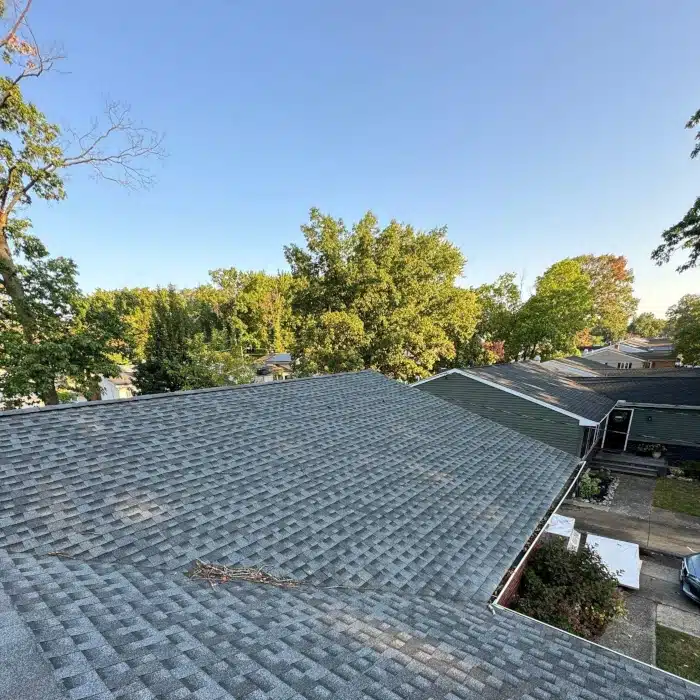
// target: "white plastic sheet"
[[621, 558]]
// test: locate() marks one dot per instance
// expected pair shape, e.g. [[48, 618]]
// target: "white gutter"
[[539, 534]]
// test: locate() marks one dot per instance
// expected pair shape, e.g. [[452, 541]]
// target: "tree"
[[613, 294], [684, 327], [71, 339], [547, 324], [179, 356], [498, 304], [646, 325], [166, 350], [684, 235], [33, 157], [372, 297]]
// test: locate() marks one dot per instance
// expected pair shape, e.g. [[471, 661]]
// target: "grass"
[[678, 653], [679, 496]]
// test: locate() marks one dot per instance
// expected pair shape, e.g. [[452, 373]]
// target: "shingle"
[[350, 479], [558, 390]]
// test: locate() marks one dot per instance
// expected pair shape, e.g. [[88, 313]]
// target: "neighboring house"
[[610, 357], [397, 512], [529, 398], [121, 387], [653, 409], [273, 367]]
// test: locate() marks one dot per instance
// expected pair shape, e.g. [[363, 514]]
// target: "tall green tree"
[[685, 234], [373, 297], [72, 339], [562, 306], [166, 350], [646, 325], [612, 291], [684, 326], [34, 157]]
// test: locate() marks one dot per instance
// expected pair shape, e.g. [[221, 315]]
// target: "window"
[[624, 365]]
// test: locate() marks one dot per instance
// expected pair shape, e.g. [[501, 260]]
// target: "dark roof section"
[[369, 483], [582, 362], [680, 391], [545, 385], [106, 631]]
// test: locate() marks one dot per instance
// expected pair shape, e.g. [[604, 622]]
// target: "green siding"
[[671, 426], [528, 418]]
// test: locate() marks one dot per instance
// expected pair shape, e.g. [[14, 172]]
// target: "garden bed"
[[596, 486]]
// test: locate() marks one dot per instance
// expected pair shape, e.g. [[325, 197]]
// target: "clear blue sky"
[[533, 130]]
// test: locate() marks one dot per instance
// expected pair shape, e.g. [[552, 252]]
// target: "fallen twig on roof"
[[220, 573]]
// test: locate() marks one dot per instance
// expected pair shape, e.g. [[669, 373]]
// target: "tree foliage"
[[684, 235], [377, 297], [612, 291], [547, 324], [646, 325], [570, 590], [72, 338], [684, 328]]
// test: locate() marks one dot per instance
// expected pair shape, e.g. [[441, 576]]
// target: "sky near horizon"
[[533, 131]]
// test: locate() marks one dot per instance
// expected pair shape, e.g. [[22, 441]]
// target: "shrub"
[[588, 486], [690, 469], [570, 590]]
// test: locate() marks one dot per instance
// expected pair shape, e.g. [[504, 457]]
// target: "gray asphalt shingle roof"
[[532, 379], [414, 507]]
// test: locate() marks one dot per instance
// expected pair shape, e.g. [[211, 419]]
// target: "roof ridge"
[[30, 410]]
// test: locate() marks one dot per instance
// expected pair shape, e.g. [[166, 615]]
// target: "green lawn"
[[679, 496], [678, 653]]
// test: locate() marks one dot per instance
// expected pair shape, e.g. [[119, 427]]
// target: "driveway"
[[632, 518], [658, 601]]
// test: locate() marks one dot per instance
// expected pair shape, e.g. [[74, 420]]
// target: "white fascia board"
[[638, 404], [581, 420]]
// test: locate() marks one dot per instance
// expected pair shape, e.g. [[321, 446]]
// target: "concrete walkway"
[[662, 531]]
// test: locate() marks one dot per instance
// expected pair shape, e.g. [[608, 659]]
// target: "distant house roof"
[[658, 355], [280, 357], [651, 388], [575, 363], [540, 383]]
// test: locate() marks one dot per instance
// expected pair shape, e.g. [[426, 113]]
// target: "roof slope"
[[106, 631], [532, 379], [367, 482], [648, 388]]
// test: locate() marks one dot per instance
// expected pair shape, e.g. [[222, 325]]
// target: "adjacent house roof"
[[397, 512], [665, 389], [533, 380], [575, 365]]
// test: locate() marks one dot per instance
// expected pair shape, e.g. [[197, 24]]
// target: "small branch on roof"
[[60, 554], [220, 573]]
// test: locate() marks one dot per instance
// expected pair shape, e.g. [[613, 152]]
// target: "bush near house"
[[690, 469], [570, 590]]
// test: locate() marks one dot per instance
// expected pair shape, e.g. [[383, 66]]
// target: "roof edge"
[[30, 410]]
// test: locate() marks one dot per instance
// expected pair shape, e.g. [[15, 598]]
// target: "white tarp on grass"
[[621, 558]]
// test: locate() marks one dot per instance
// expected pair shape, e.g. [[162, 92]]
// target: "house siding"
[[669, 426], [527, 418], [611, 358]]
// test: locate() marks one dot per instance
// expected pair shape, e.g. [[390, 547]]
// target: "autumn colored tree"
[[613, 294], [684, 235]]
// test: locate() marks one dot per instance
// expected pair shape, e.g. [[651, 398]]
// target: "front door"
[[617, 430]]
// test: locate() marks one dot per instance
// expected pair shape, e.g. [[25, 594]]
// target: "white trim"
[[629, 425], [581, 420], [523, 561], [498, 606], [631, 404]]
